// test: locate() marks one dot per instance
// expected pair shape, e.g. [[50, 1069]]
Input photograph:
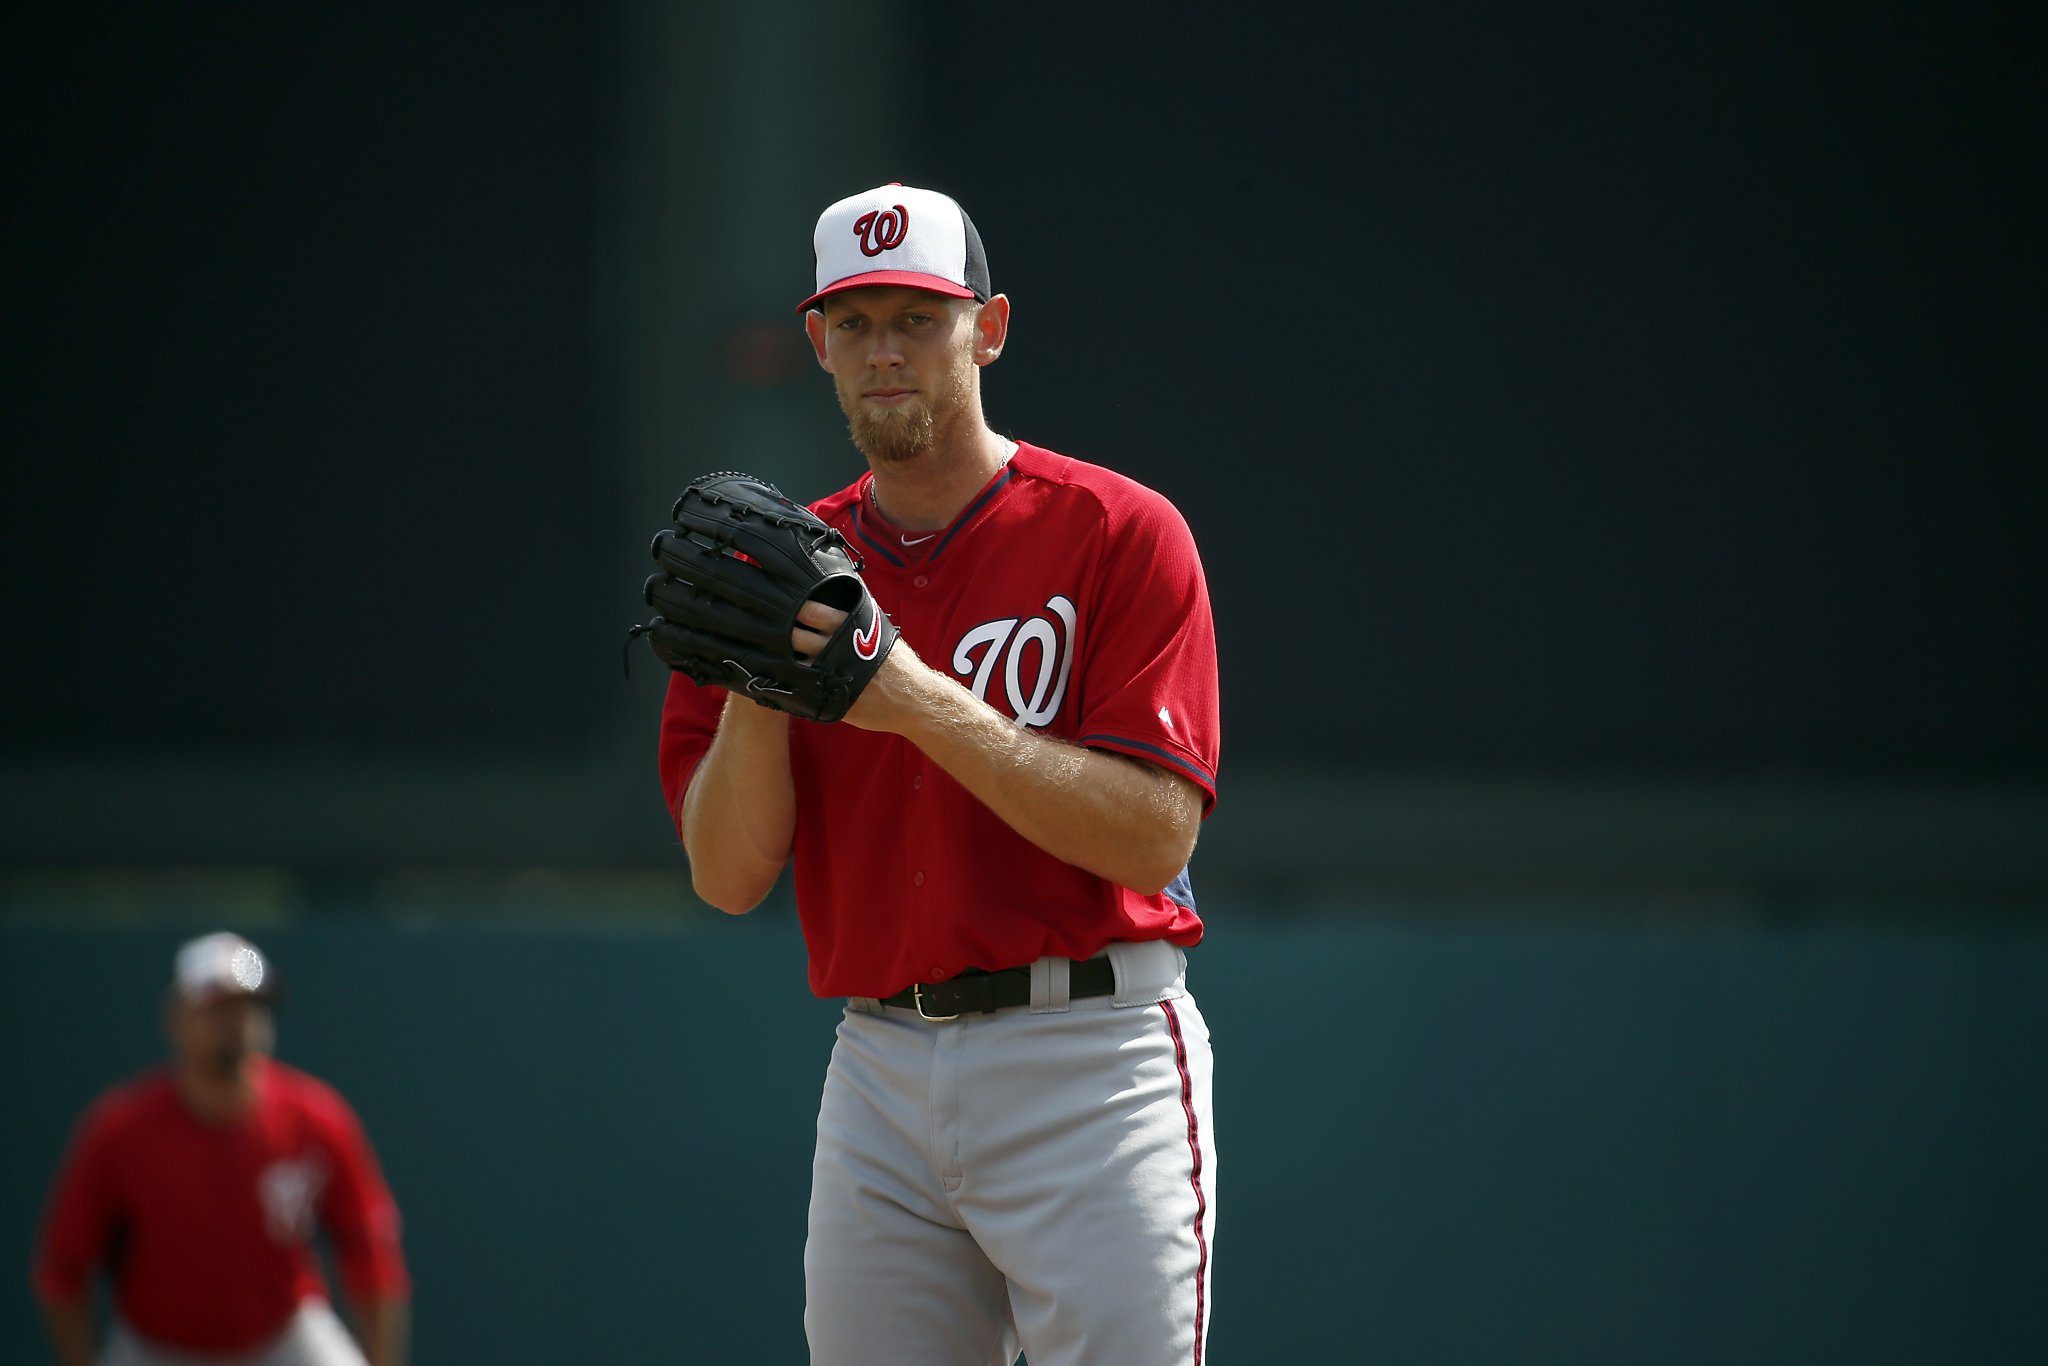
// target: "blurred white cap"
[[222, 965]]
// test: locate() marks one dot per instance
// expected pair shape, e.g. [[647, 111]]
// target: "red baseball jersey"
[[1071, 599], [209, 1226]]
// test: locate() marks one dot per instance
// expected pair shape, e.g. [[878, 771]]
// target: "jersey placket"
[[917, 616]]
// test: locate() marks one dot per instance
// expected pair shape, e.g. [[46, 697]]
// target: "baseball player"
[[1015, 1149], [199, 1187]]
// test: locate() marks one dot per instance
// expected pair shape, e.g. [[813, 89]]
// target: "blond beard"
[[897, 436], [893, 437]]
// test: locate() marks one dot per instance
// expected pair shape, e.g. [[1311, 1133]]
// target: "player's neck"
[[216, 1098], [927, 492]]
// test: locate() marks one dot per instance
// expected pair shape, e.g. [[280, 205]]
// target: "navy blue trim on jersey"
[[860, 529], [972, 508], [1181, 891], [1187, 766]]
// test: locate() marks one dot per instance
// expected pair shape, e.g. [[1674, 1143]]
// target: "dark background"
[[300, 383], [1637, 385], [1608, 387], [1615, 440]]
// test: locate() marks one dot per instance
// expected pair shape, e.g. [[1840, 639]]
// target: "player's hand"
[[822, 621]]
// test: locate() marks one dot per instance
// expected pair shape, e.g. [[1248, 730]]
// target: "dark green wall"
[[1508, 1133]]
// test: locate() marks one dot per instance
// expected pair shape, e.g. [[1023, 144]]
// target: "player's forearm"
[[384, 1328], [68, 1324], [739, 815], [1127, 821]]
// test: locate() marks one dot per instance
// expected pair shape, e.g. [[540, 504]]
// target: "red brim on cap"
[[908, 279]]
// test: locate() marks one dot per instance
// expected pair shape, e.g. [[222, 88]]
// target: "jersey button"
[[917, 780], [921, 580], [917, 879]]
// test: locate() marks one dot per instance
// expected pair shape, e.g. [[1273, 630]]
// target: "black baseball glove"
[[736, 565]]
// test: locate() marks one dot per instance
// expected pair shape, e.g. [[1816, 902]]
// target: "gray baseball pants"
[[1040, 1179]]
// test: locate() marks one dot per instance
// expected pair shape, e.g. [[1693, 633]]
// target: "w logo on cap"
[[881, 230]]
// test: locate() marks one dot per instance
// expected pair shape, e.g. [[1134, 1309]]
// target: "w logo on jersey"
[[290, 1192], [1019, 643]]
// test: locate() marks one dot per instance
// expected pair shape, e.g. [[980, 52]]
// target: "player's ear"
[[991, 329], [814, 327]]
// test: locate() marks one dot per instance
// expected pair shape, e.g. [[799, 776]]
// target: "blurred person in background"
[[198, 1188]]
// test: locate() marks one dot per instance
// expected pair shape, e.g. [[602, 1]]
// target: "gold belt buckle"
[[917, 999]]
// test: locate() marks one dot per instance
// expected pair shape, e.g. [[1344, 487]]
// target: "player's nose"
[[888, 347]]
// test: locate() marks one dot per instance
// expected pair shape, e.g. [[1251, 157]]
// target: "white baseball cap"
[[899, 235], [222, 965]]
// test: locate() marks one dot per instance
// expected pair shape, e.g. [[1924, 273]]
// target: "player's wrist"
[[896, 698], [746, 715]]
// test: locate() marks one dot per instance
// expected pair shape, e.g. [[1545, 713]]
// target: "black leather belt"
[[984, 993]]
